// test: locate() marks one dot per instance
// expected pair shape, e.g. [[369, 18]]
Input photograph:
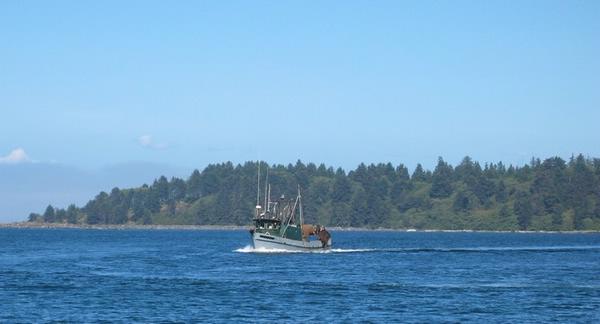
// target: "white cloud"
[[145, 140], [148, 142], [17, 155]]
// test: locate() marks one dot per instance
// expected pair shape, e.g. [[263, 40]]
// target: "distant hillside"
[[544, 195]]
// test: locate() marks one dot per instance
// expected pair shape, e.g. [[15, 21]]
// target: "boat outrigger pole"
[[300, 207]]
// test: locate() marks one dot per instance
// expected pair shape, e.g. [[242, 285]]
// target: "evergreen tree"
[[523, 209], [35, 217], [419, 174], [153, 200], [137, 205], [161, 188], [176, 189], [60, 215], [193, 186], [72, 213], [483, 188], [342, 188], [548, 186], [359, 209], [501, 192], [461, 203], [49, 215], [581, 187], [441, 186], [402, 173], [466, 170], [209, 183], [360, 175]]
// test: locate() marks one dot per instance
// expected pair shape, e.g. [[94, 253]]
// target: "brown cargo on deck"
[[307, 230]]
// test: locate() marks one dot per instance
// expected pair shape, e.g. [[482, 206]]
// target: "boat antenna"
[[266, 188]]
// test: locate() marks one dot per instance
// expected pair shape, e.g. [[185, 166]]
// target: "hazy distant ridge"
[[32, 186]]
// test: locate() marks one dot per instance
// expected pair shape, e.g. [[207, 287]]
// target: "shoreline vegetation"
[[40, 225], [548, 195]]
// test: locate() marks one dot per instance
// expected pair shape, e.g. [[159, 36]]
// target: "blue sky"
[[91, 84]]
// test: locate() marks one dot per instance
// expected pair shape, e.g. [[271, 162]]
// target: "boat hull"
[[270, 242]]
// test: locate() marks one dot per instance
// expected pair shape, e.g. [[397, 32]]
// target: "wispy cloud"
[[17, 155], [148, 142]]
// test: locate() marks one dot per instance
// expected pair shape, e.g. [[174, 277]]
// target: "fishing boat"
[[280, 225]]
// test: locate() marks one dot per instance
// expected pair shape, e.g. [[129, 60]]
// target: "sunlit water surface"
[[216, 276]]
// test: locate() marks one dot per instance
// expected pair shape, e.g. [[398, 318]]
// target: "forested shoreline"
[[550, 195]]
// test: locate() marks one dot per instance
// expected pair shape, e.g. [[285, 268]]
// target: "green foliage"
[[419, 174], [523, 209], [193, 186], [49, 214], [35, 217], [543, 195], [72, 214], [441, 181]]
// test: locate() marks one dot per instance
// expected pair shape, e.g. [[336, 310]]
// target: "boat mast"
[[266, 189], [269, 199], [300, 207], [258, 191]]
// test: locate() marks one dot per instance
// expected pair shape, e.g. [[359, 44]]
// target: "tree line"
[[552, 194]]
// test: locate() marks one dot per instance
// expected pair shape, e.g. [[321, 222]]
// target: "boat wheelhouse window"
[[267, 224]]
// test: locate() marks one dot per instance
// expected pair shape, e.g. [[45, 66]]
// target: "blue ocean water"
[[213, 276]]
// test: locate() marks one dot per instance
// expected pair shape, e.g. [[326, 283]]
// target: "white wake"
[[500, 249], [251, 249]]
